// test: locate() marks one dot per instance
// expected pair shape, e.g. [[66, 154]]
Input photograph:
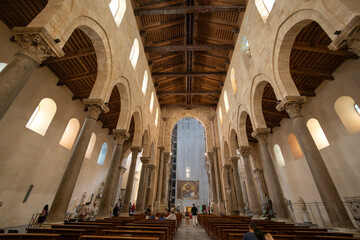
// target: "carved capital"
[[210, 156], [227, 167], [161, 148], [151, 167], [293, 109], [166, 156], [353, 41], [245, 151], [122, 169], [261, 134], [215, 149], [234, 161], [144, 160], [120, 135], [135, 150], [36, 43], [95, 107]]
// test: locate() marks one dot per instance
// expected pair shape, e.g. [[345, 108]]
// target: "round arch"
[[145, 143], [242, 117], [138, 127], [101, 45], [234, 144], [285, 38], [226, 152]]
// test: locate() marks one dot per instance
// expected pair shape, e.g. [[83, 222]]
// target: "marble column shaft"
[[254, 199], [239, 195], [150, 185], [140, 200], [110, 183], [166, 172], [65, 190], [327, 189], [135, 150], [271, 178], [234, 204], [218, 178], [160, 175], [120, 177], [35, 49], [227, 186], [212, 175]]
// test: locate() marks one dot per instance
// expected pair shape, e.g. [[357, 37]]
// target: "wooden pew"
[[96, 230], [136, 233], [66, 234], [239, 236], [147, 228], [89, 237], [30, 236]]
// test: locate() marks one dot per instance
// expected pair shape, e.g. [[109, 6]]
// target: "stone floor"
[[189, 232]]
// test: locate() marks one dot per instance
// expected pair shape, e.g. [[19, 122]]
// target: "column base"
[[346, 230]]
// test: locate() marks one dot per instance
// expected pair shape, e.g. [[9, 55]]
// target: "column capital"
[[122, 170], [37, 43], [144, 160], [95, 107], [261, 134], [353, 41], [288, 100], [135, 149], [151, 167], [161, 148], [227, 166], [166, 156], [245, 151], [210, 156], [234, 161], [215, 149], [164, 119], [120, 135]]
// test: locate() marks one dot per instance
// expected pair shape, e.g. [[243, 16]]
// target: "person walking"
[[194, 212]]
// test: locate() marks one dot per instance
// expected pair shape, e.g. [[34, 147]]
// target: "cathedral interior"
[[247, 109]]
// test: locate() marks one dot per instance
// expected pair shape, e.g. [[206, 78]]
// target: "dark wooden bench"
[[147, 228], [33, 236], [136, 233], [89, 237], [66, 234]]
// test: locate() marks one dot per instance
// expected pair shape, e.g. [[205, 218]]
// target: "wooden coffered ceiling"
[[188, 45]]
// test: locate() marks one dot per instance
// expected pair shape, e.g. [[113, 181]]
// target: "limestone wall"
[[29, 158]]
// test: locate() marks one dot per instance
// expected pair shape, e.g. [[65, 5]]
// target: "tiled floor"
[[190, 232]]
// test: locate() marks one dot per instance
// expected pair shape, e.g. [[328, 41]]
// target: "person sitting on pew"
[[116, 211], [43, 215], [84, 211], [148, 212], [161, 217], [172, 216], [254, 233]]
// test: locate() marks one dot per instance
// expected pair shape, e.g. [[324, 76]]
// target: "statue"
[[101, 189], [304, 212], [302, 204]]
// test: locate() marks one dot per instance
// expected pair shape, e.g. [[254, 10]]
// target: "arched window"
[[102, 154], [295, 147], [226, 101], [134, 54], [279, 156], [151, 102], [91, 145], [42, 116], [264, 7], [220, 115], [157, 116], [145, 81], [317, 133], [349, 113], [233, 80], [118, 8], [70, 133], [2, 66]]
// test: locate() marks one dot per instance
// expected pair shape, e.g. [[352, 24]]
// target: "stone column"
[[140, 200], [353, 41], [218, 181], [271, 178], [37, 45], [235, 206], [210, 156], [254, 200], [150, 185], [227, 186], [239, 195], [135, 150], [165, 185], [120, 136], [160, 178], [211, 193], [122, 170], [327, 189], [261, 184], [68, 181]]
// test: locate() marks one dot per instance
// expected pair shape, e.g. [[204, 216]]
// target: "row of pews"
[[135, 227], [234, 228]]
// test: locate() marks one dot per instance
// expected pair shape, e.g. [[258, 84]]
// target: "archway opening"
[[188, 180], [111, 118]]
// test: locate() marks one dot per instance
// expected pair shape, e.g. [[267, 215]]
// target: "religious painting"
[[187, 189]]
